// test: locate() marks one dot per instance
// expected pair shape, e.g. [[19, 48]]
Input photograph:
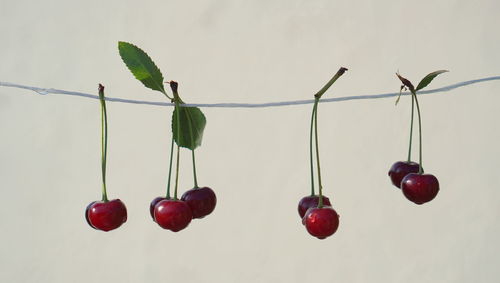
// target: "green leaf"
[[188, 124], [141, 66], [427, 79]]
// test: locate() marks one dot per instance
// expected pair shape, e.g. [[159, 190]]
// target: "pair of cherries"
[[407, 175], [175, 214], [416, 187], [170, 214], [320, 221]]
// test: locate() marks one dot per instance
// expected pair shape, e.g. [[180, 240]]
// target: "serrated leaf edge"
[[161, 87]]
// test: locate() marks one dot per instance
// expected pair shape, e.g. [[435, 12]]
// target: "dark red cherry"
[[87, 214], [420, 188], [400, 169], [153, 204], [106, 216], [311, 201], [321, 222], [202, 201], [173, 215]]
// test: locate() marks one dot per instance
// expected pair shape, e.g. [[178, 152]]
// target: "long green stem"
[[104, 141], [320, 185], [317, 96], [177, 101], [311, 147], [420, 170], [170, 167], [411, 127], [176, 174], [194, 170], [178, 137], [337, 75]]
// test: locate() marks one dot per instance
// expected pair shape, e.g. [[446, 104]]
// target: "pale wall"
[[255, 159]]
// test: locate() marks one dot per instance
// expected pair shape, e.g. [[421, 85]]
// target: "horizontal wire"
[[45, 91]]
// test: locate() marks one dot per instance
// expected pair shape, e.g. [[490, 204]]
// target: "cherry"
[[420, 188], [106, 215], [173, 215], [321, 222], [87, 214], [202, 201], [311, 201], [400, 169], [154, 202]]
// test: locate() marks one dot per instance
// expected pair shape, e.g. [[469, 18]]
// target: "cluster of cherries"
[[175, 214], [316, 212], [318, 216], [408, 175], [169, 213]]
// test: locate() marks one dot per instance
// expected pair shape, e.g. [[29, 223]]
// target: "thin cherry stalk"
[[311, 148], [170, 167], [104, 141], [194, 170], [420, 168], [314, 122], [320, 185], [411, 126]]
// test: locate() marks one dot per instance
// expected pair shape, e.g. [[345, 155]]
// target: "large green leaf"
[[428, 79], [188, 124], [141, 66]]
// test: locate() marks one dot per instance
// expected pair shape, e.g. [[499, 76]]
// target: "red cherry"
[[173, 215], [87, 214], [152, 205], [202, 201], [400, 169], [311, 201], [106, 216], [420, 188], [321, 222]]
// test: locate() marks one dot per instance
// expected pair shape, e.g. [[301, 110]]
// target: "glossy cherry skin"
[[321, 222], [152, 205], [106, 216], [87, 214], [400, 169], [311, 201], [173, 215], [420, 188], [202, 201]]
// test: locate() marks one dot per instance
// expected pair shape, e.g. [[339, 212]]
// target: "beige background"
[[255, 159]]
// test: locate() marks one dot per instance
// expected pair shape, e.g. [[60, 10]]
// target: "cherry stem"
[[311, 148], [411, 127], [176, 174], [420, 168], [104, 141], [170, 167], [317, 96], [194, 170], [320, 185], [178, 136], [337, 75], [165, 93]]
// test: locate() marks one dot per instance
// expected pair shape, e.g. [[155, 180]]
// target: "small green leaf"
[[427, 79], [188, 124], [141, 66]]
